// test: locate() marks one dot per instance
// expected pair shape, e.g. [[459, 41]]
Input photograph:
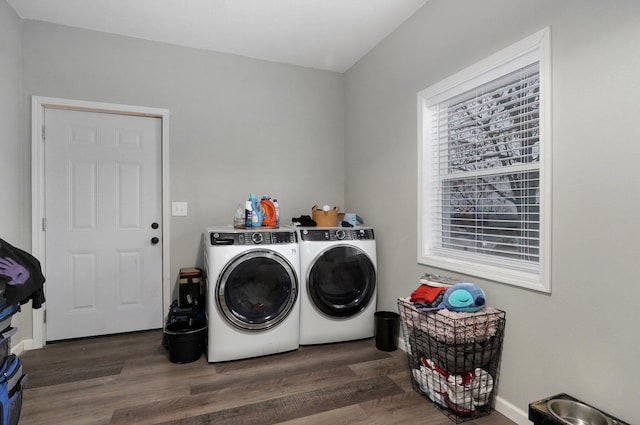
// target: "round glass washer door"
[[341, 281], [257, 290]]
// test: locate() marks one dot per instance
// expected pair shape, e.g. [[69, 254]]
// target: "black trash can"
[[186, 340], [387, 329]]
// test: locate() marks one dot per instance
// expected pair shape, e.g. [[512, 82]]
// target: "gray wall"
[[583, 338], [238, 125], [14, 148]]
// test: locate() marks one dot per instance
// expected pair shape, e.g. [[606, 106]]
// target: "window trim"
[[532, 49]]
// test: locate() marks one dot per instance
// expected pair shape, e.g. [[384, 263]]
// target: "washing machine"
[[252, 292], [338, 298]]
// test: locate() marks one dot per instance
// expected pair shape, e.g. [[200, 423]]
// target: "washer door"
[[257, 290], [341, 281]]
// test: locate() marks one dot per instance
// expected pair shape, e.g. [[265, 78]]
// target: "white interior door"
[[103, 212]]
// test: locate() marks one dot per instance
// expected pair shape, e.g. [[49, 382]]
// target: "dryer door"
[[341, 281], [257, 290]]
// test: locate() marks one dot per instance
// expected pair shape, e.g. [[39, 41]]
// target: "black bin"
[[387, 329], [186, 340]]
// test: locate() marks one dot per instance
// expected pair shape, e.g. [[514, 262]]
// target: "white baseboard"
[[502, 406], [22, 346], [510, 411]]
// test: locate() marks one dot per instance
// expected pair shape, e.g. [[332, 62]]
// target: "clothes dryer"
[[252, 292], [338, 269]]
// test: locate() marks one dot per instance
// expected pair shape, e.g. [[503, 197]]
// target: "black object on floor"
[[186, 340], [387, 329]]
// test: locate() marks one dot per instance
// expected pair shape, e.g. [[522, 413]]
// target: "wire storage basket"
[[454, 357]]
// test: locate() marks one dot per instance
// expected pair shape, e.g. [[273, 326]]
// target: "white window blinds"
[[486, 169]]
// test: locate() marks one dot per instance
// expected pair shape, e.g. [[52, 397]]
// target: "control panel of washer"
[[253, 238], [332, 235]]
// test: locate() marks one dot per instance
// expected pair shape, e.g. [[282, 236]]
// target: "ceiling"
[[323, 34]]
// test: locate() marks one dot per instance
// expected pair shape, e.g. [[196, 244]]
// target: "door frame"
[[38, 106]]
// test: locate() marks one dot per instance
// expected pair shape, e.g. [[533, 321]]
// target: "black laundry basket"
[[454, 357], [387, 329], [186, 340]]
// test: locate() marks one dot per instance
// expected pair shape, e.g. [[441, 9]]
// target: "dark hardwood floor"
[[128, 379]]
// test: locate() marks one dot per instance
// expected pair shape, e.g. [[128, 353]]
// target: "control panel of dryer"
[[253, 238], [322, 235]]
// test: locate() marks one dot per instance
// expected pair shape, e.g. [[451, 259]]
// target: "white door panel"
[[103, 193]]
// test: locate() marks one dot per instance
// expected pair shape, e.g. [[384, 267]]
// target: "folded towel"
[[435, 381], [436, 376], [425, 294], [459, 392], [481, 387], [453, 327], [469, 390]]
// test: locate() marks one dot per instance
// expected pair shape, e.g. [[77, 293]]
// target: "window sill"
[[523, 279]]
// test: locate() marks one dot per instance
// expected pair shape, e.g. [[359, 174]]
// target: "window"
[[484, 166]]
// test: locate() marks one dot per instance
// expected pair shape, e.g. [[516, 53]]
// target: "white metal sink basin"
[[576, 413]]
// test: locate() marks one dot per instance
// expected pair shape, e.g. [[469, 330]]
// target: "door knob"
[[154, 240]]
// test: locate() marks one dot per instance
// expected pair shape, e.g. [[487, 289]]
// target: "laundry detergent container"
[[186, 340]]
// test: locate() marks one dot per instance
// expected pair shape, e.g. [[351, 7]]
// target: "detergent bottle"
[[256, 211], [269, 217], [277, 207], [248, 213]]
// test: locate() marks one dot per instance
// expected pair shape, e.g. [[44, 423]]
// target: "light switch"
[[179, 209]]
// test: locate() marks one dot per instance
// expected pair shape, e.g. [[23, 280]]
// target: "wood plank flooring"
[[128, 379]]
